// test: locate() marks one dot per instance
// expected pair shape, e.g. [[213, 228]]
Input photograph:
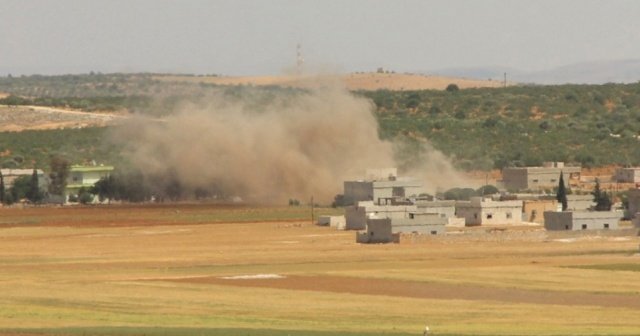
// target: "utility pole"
[[312, 208], [299, 59], [505, 79]]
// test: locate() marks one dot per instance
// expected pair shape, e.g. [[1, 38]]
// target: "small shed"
[[337, 222]]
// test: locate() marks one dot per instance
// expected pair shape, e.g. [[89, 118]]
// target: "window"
[[508, 215], [535, 181], [553, 180], [434, 232], [489, 216], [475, 216], [411, 215], [606, 226], [566, 227], [584, 226]]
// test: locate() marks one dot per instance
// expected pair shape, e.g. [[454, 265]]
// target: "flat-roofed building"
[[485, 211], [581, 220], [536, 178]]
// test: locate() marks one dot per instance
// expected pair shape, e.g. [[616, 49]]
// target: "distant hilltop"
[[597, 72], [368, 81]]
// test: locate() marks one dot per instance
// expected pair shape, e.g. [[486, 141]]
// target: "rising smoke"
[[295, 144]]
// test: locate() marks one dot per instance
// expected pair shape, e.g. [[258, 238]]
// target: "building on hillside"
[[627, 175], [380, 184], [10, 175], [85, 177], [537, 178], [581, 220], [485, 211]]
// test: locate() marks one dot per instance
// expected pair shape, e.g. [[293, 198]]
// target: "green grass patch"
[[609, 267]]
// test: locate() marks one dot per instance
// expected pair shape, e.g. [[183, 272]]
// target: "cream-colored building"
[[485, 211]]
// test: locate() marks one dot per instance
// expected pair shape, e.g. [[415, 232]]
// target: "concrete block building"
[[381, 184], [537, 178], [627, 175], [533, 210], [337, 222], [10, 175], [633, 196], [387, 230], [485, 211], [356, 216], [581, 220]]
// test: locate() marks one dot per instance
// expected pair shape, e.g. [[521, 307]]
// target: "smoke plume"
[[268, 148]]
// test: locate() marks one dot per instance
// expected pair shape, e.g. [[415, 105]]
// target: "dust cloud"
[[296, 144]]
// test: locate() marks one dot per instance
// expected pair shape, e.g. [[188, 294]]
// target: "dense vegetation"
[[492, 128], [478, 128], [29, 149]]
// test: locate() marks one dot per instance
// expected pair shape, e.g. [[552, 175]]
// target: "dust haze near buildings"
[[294, 145]]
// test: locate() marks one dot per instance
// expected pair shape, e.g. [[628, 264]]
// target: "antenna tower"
[[299, 59]]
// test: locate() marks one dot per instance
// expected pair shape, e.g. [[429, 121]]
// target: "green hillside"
[[478, 128], [489, 128]]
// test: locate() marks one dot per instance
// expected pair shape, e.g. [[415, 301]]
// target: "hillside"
[[355, 81], [491, 128], [478, 128]]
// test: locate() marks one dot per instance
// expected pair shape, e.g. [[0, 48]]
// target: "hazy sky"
[[259, 37]]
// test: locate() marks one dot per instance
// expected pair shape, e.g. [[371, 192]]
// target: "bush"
[[452, 87]]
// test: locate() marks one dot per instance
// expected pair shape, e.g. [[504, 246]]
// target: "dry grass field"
[[237, 270], [354, 81], [19, 118]]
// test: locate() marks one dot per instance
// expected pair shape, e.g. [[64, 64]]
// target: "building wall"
[[580, 202], [633, 196], [379, 230], [337, 222], [536, 178], [628, 175], [555, 220], [582, 220], [420, 223], [533, 210], [357, 191], [356, 216], [10, 175], [444, 208], [488, 212]]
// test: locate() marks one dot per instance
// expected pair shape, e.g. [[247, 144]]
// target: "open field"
[[20, 118], [354, 81], [192, 269]]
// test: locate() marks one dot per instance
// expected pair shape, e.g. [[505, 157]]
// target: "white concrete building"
[[485, 211]]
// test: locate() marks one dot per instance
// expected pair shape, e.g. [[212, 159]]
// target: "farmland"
[[207, 269]]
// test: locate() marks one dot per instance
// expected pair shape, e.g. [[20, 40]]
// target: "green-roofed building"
[[85, 176]]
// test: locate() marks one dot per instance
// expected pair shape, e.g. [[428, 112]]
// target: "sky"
[[259, 37]]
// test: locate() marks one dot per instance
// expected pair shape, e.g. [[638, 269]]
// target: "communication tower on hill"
[[299, 59]]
